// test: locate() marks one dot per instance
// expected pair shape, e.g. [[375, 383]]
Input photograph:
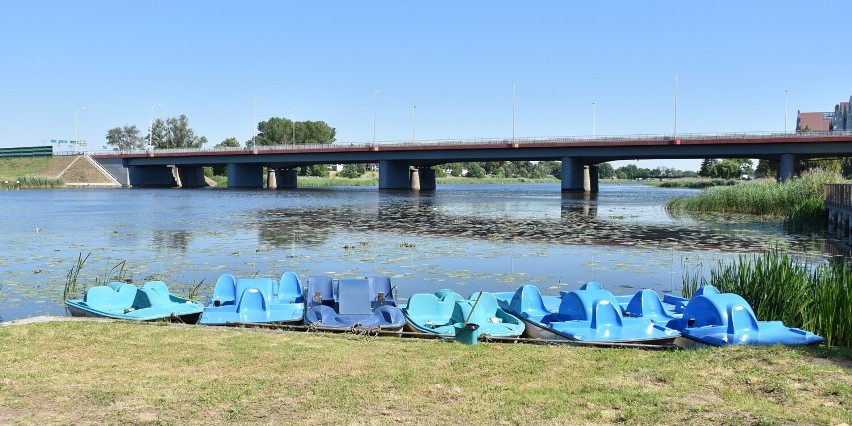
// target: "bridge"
[[407, 165]]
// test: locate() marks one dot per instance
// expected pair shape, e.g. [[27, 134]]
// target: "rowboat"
[[124, 301], [441, 313], [352, 303], [255, 300]]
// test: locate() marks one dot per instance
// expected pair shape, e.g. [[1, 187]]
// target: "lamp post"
[[675, 109], [76, 138], [254, 120], [594, 118], [513, 110], [413, 120], [293, 120], [151, 125], [374, 114], [785, 110]]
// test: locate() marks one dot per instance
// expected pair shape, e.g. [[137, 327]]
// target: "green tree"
[[475, 170], [125, 138], [726, 169], [766, 168], [228, 143], [353, 170], [605, 171], [706, 166], [175, 133], [280, 131], [318, 170]]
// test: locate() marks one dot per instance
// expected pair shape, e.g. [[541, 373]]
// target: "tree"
[[125, 138], [175, 133], [228, 143], [726, 169], [605, 171], [706, 165], [474, 170], [279, 131], [352, 170], [318, 170]]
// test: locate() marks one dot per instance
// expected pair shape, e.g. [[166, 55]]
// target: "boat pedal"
[[217, 303], [317, 297], [381, 297], [690, 322]]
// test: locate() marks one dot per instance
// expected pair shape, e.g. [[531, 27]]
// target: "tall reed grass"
[[30, 182], [815, 297]]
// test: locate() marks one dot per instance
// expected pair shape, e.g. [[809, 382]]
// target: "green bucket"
[[467, 334]]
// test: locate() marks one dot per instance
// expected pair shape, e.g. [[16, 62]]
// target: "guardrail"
[[495, 141], [838, 196]]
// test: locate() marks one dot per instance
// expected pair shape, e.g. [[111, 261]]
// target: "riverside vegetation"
[[798, 201], [814, 297], [98, 372]]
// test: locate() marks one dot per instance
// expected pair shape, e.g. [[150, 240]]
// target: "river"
[[464, 237]]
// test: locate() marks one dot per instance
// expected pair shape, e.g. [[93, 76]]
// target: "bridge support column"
[[271, 180], [191, 177], [151, 177], [594, 185], [286, 179], [426, 179], [394, 174], [245, 175], [573, 173], [786, 166]]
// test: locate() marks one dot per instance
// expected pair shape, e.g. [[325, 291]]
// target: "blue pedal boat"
[[586, 315], [715, 319], [124, 301], [352, 303], [255, 300], [439, 312]]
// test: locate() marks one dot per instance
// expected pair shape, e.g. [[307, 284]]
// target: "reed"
[[32, 182], [70, 289], [799, 201], [815, 297]]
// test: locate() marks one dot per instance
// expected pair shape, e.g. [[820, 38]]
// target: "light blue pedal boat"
[[713, 318], [255, 300], [124, 301], [441, 312], [586, 315]]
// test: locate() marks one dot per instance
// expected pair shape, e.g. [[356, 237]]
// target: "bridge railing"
[[497, 141], [838, 196]]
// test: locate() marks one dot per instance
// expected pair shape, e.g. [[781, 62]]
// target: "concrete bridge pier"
[[286, 178], [578, 177], [271, 180], [245, 175], [786, 166], [394, 174], [151, 177], [423, 179], [191, 176]]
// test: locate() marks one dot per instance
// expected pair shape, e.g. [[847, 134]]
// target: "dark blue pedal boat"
[[352, 303], [586, 315], [713, 318], [125, 301], [255, 300]]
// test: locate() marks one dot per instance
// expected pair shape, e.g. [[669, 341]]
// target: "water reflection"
[[176, 240]]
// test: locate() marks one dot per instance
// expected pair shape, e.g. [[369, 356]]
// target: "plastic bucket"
[[467, 334]]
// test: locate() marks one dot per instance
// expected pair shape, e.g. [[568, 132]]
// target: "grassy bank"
[[104, 372], [690, 183], [817, 297], [799, 201]]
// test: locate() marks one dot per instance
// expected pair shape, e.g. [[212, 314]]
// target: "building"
[[842, 119], [814, 121]]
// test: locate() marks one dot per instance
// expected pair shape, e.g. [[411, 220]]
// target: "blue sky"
[[455, 60]]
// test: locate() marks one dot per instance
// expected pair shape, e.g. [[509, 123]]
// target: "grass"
[[691, 183], [814, 297], [799, 201], [11, 168], [95, 372]]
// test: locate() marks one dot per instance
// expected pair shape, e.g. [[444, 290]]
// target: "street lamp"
[[294, 131], [675, 109], [151, 125], [374, 115], [76, 137], [413, 120], [785, 110], [254, 120], [513, 110]]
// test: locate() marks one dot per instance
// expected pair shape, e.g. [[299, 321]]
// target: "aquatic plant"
[[30, 182], [799, 201], [70, 289], [813, 296]]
